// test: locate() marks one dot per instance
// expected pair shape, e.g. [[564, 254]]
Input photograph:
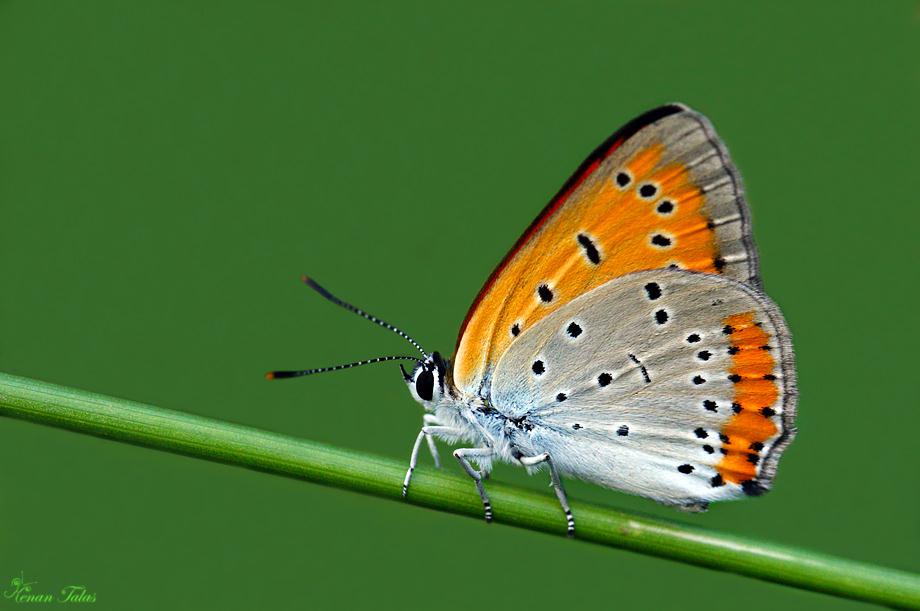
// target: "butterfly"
[[625, 339]]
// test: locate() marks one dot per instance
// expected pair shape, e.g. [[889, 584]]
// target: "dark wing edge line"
[[790, 389], [747, 235]]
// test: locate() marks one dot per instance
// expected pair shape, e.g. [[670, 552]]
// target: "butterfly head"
[[427, 381]]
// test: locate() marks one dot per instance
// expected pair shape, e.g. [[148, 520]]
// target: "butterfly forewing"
[[675, 385], [660, 193]]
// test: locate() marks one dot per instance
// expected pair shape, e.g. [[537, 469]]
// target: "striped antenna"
[[316, 287], [279, 375]]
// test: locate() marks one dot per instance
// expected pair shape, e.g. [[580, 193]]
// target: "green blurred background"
[[169, 169]]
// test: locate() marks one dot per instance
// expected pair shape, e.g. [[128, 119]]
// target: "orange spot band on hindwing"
[[755, 389]]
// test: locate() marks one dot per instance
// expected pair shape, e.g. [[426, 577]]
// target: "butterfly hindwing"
[[674, 385], [661, 192]]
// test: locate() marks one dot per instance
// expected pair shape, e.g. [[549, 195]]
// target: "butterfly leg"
[[480, 455], [531, 461], [425, 433], [431, 420]]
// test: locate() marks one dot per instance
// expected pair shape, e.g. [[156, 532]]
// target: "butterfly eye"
[[424, 385]]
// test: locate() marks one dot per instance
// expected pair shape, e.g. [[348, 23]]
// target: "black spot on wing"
[[591, 251], [647, 191]]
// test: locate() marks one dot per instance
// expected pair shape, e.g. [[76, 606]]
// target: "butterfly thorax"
[[470, 417], [478, 422]]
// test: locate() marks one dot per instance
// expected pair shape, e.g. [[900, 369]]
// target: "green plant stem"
[[216, 440]]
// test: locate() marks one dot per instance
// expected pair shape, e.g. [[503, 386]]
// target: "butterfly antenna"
[[279, 375], [316, 287]]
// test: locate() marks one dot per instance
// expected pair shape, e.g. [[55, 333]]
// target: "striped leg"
[[531, 461], [425, 433], [480, 455]]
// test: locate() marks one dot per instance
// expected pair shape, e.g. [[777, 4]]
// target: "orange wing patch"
[[606, 231], [659, 193], [755, 391], [667, 227]]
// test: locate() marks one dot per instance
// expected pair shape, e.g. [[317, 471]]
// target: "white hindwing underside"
[[629, 386]]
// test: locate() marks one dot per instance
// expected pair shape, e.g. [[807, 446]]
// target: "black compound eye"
[[424, 385]]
